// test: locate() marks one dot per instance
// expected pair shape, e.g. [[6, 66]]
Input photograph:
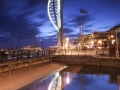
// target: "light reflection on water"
[[86, 78]]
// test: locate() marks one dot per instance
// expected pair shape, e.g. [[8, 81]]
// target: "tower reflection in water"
[[55, 84], [94, 78]]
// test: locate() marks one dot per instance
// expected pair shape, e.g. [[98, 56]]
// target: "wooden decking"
[[25, 77]]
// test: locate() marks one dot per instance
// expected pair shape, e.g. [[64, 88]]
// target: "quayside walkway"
[[23, 77], [27, 70]]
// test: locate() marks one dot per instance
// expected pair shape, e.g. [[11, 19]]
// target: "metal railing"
[[22, 55], [93, 53]]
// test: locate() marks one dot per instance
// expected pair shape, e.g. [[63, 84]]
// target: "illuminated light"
[[56, 18], [88, 47], [68, 78], [112, 36], [67, 42], [52, 82], [57, 8], [92, 42], [99, 47], [113, 41], [67, 39], [99, 41]]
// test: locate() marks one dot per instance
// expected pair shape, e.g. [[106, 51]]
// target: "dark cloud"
[[34, 3], [20, 17], [67, 30], [84, 19]]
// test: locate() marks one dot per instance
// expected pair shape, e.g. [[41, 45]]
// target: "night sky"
[[20, 20]]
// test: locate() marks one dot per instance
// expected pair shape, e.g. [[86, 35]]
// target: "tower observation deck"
[[55, 13]]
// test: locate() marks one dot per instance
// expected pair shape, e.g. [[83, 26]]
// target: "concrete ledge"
[[87, 60]]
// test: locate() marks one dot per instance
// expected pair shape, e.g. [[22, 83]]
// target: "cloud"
[[85, 19], [23, 16]]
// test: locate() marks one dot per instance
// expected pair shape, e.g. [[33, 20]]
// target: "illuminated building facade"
[[55, 14]]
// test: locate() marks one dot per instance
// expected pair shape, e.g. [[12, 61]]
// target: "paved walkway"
[[28, 77]]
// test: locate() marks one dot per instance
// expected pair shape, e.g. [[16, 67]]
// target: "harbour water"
[[78, 77]]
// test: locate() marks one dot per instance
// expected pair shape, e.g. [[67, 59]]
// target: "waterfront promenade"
[[23, 77], [26, 76], [92, 53]]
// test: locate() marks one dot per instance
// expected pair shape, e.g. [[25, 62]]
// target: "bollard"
[[10, 69]]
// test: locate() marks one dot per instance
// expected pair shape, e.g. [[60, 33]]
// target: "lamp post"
[[117, 52], [67, 44]]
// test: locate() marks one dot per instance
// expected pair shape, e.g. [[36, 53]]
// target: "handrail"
[[10, 66], [18, 55]]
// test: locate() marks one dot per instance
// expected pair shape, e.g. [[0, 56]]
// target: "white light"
[[99, 41], [113, 41], [92, 42], [67, 39], [112, 36], [53, 80], [68, 78], [48, 7]]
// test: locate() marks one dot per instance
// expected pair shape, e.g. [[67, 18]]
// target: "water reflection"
[[55, 83], [68, 78], [82, 78]]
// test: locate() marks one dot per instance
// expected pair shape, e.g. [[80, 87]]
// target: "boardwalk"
[[28, 77]]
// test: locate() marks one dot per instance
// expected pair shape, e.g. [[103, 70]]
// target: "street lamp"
[[117, 52]]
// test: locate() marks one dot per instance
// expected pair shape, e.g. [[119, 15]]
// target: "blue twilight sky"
[[25, 18]]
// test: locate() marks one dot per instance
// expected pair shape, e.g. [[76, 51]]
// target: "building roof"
[[101, 35]]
